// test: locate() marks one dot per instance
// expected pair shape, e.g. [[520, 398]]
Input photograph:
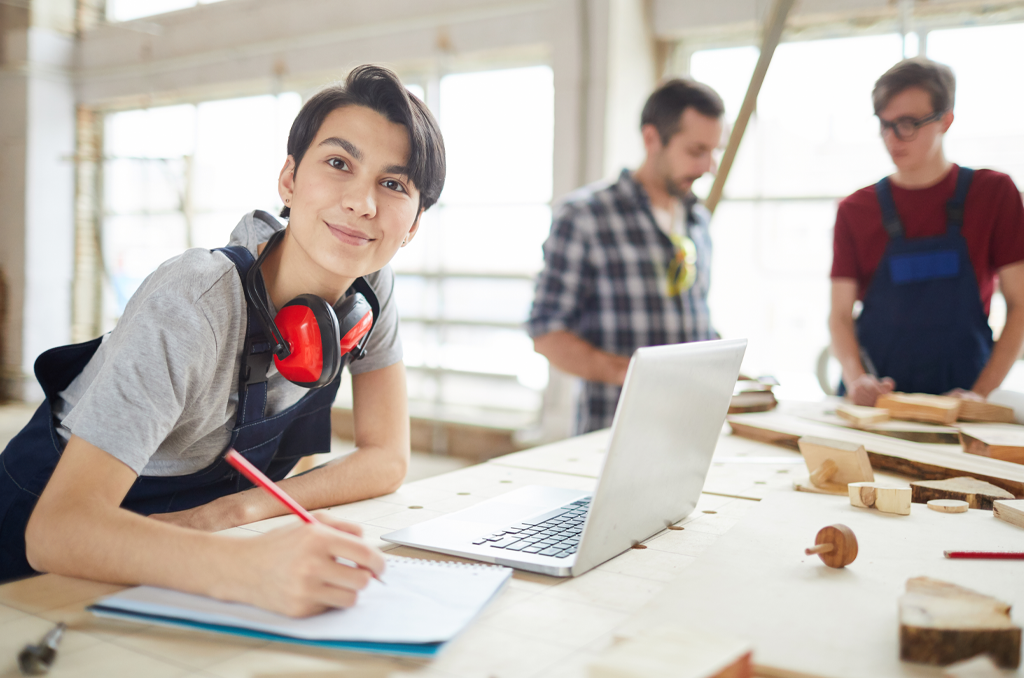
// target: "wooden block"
[[941, 623], [981, 666], [885, 499], [1012, 511], [668, 651], [977, 493], [862, 416], [920, 407], [949, 505], [849, 459], [752, 401], [998, 441], [836, 545], [973, 410]]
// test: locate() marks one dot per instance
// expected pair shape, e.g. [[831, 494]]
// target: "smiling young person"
[[922, 250], [120, 475], [627, 263]]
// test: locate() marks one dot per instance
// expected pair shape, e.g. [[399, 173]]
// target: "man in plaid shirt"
[[627, 263]]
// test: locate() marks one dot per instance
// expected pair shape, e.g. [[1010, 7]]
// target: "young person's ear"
[[413, 230], [286, 181]]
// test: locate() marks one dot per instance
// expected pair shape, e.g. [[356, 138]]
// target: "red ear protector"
[[311, 339]]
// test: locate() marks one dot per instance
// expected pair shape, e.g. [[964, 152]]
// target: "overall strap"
[[955, 206], [257, 356], [890, 218]]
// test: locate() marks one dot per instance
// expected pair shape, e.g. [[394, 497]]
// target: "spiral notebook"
[[424, 604]]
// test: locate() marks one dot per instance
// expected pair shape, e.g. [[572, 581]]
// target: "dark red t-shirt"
[[993, 227]]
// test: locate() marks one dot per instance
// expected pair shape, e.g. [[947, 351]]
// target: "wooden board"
[[942, 623], [998, 441], [755, 582], [920, 407], [1011, 512], [916, 460], [978, 494], [827, 412], [973, 410], [672, 652]]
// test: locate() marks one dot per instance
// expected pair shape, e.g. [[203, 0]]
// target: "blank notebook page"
[[424, 601]]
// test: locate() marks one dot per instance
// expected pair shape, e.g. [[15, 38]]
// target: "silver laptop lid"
[[673, 404]]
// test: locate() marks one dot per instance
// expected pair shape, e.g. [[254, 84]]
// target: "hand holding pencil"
[[309, 570]]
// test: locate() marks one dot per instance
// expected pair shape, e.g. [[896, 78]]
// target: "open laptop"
[[666, 425]]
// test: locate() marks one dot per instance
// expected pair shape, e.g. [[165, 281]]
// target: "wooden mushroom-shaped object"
[[836, 545]]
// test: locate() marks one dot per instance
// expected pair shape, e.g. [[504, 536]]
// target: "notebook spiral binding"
[[451, 564]]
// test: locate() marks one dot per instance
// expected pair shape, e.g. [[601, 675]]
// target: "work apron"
[[923, 323], [273, 444]]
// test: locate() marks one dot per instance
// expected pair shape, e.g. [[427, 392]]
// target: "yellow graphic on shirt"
[[682, 270]]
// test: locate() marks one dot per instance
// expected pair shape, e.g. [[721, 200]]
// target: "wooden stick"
[[777, 21], [820, 548]]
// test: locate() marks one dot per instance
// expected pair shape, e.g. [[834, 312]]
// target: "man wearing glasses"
[[922, 249], [627, 263]]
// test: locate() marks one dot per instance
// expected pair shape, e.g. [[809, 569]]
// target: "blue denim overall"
[[923, 323], [273, 444]]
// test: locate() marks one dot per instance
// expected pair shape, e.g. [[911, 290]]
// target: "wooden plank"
[[1010, 511], [942, 623], [998, 441], [916, 460], [920, 407], [915, 432], [978, 494], [974, 410], [755, 582]]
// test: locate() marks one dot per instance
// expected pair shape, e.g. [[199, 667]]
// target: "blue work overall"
[[273, 444], [923, 323]]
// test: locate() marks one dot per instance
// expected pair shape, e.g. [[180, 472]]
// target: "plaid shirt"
[[604, 280]]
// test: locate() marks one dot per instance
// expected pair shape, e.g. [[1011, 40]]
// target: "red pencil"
[[256, 476], [986, 555]]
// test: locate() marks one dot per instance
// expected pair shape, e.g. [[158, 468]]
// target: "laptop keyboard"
[[556, 533]]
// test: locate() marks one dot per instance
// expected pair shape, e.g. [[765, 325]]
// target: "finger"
[[334, 597], [338, 524], [888, 383], [344, 576], [354, 549]]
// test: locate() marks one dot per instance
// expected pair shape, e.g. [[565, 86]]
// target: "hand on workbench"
[[964, 394], [865, 389], [294, 570]]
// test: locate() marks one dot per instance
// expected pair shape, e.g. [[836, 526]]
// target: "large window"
[[182, 176], [813, 140]]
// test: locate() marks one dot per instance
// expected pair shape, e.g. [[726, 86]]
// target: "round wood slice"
[[949, 505], [844, 545]]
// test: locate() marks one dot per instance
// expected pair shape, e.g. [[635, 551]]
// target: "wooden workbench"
[[537, 626]]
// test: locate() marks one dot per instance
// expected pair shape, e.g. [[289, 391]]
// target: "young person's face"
[[352, 205], [687, 155], [923, 144]]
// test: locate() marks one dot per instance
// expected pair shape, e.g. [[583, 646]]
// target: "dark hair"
[[665, 106], [935, 78], [380, 90]]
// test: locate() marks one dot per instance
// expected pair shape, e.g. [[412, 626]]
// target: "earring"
[[404, 240]]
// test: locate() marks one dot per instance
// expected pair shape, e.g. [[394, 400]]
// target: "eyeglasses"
[[682, 270], [906, 128]]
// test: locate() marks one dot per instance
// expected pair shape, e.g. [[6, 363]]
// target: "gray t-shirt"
[[160, 393]]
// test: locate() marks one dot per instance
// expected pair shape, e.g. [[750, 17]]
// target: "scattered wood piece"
[[917, 460], [981, 666], [949, 505], [675, 652], [977, 493], [835, 462], [836, 545], [806, 485], [752, 401], [1011, 511], [920, 407], [997, 441], [885, 499], [974, 410], [862, 416], [941, 623]]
